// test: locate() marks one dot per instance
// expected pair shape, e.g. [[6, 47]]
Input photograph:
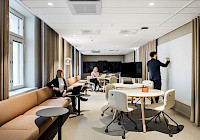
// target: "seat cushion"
[[18, 135], [16, 106], [33, 123], [78, 78], [44, 94], [71, 81], [156, 106], [78, 84], [59, 102]]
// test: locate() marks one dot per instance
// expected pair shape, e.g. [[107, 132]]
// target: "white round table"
[[137, 92], [121, 85]]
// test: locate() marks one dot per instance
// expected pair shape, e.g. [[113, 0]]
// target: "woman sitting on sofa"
[[60, 88]]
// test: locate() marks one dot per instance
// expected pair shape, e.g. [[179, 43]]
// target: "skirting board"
[[182, 108]]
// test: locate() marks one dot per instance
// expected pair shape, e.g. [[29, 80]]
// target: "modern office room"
[[99, 69]]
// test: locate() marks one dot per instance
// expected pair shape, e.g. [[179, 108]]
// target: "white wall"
[[178, 75], [96, 58]]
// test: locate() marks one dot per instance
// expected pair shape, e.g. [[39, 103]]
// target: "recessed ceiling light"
[[126, 35], [50, 4], [151, 4], [74, 35]]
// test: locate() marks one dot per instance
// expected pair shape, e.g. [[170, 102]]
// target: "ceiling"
[[116, 15]]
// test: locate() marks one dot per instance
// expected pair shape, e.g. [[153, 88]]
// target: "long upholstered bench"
[[18, 120], [75, 81]]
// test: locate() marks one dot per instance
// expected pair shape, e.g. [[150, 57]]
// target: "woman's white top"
[[61, 84]]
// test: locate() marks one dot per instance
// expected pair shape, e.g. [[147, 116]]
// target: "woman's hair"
[[58, 75]]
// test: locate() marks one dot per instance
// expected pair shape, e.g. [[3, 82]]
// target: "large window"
[[16, 28]]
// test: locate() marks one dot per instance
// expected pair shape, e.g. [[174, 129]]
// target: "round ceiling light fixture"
[[68, 61]]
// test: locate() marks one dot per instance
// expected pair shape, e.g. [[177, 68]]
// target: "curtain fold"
[[50, 53], [4, 49], [195, 96], [77, 62], [144, 57], [67, 54]]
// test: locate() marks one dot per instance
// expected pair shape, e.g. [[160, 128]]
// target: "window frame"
[[18, 38], [23, 19]]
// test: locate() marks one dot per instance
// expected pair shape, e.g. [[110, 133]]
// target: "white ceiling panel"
[[116, 15], [190, 11], [196, 3], [44, 3], [52, 10], [135, 10], [143, 3], [64, 18]]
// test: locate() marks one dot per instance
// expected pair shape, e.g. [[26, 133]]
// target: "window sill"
[[18, 92]]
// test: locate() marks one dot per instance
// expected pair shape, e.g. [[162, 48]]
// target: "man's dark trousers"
[[157, 85]]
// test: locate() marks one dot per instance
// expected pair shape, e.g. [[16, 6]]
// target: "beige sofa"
[[18, 120], [74, 82]]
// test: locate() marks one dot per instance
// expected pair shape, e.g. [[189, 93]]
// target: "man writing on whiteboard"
[[154, 71]]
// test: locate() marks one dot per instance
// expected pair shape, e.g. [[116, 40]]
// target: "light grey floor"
[[91, 126]]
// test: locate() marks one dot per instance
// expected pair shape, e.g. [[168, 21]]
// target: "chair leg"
[[170, 134], [137, 101], [111, 122], [153, 118], [173, 121], [157, 117], [123, 137], [104, 111], [119, 119], [131, 121], [149, 98]]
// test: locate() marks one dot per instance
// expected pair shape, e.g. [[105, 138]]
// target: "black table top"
[[52, 112], [74, 95]]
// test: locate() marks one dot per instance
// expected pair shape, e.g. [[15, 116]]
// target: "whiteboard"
[[178, 74]]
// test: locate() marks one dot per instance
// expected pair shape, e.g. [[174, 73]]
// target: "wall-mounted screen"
[[132, 69], [103, 66]]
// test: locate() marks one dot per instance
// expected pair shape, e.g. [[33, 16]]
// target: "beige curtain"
[[195, 99], [4, 49], [50, 53], [67, 54], [61, 54], [77, 62], [144, 57]]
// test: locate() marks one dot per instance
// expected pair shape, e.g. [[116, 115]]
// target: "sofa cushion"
[[71, 81], [44, 94], [77, 84], [16, 106], [59, 102], [18, 134], [78, 78], [29, 122]]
